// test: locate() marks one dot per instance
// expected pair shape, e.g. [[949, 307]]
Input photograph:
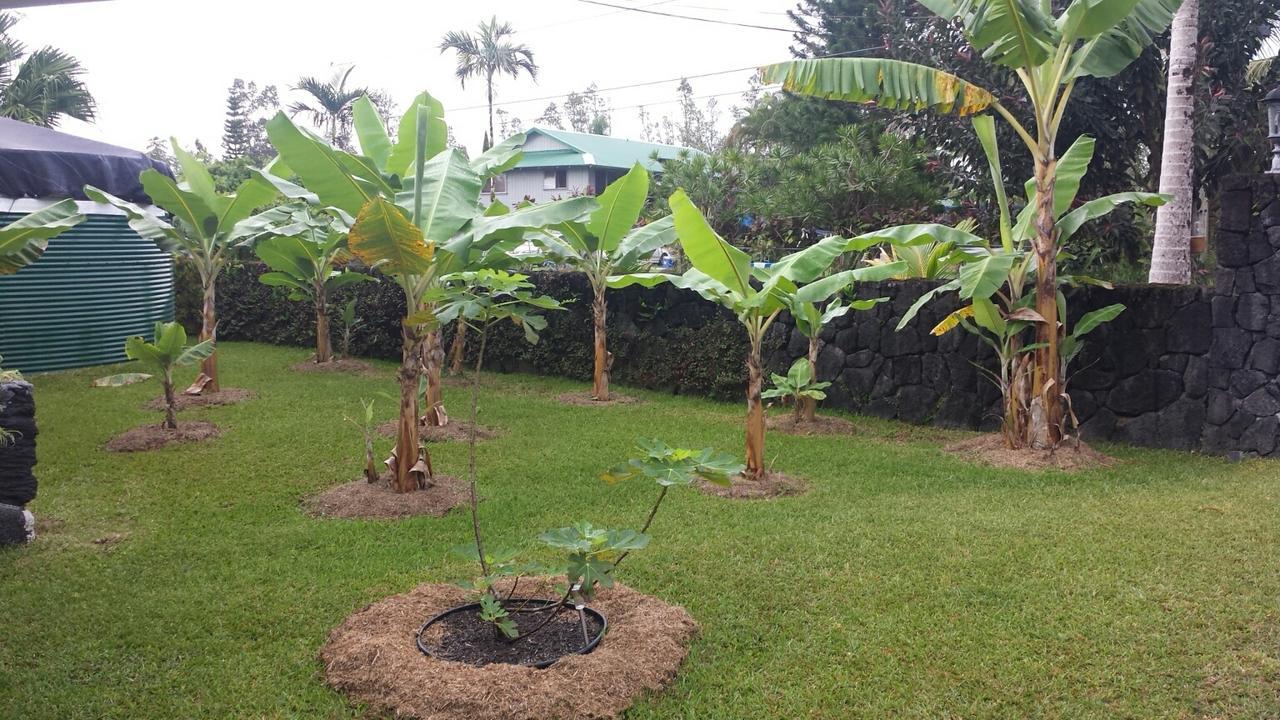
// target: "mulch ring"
[[820, 425], [990, 450], [150, 437], [225, 396], [456, 431], [372, 658], [771, 485], [341, 365], [363, 500], [582, 398]]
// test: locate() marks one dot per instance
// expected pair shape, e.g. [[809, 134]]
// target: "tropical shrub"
[[168, 352], [1049, 54], [799, 387], [205, 228]]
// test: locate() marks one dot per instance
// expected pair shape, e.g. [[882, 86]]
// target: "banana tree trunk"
[[433, 361], [458, 350], [208, 331], [1045, 421], [1171, 251], [755, 413], [603, 360], [807, 408], [412, 462], [170, 404], [324, 352]]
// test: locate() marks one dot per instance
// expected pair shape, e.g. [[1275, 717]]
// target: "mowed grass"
[[187, 582]]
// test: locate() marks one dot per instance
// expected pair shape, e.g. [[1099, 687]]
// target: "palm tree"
[[1171, 251], [330, 105], [44, 86], [488, 53]]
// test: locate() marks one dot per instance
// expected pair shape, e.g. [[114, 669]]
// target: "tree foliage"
[[42, 86]]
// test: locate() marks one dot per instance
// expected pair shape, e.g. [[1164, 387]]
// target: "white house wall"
[[539, 141], [527, 182]]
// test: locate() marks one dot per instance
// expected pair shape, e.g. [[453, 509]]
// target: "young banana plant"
[[1048, 54], [162, 357], [725, 275]]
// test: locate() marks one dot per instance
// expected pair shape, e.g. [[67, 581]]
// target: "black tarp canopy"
[[38, 162]]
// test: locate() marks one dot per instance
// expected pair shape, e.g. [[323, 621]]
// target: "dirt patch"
[[463, 637], [109, 541], [150, 437], [360, 499], [372, 657], [990, 450], [226, 396], [341, 365], [582, 398], [455, 431], [771, 485], [820, 425]]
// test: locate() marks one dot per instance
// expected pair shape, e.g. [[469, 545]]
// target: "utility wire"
[[650, 83], [690, 17]]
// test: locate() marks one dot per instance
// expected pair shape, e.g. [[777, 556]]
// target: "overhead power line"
[[650, 83], [690, 17]]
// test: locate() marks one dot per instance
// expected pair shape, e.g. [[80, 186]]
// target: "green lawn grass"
[[904, 584]]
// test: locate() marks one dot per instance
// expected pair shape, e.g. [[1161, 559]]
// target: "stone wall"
[[1183, 367]]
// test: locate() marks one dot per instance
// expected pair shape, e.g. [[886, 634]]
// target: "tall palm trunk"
[[410, 475], [1045, 424], [209, 330], [755, 411], [433, 361], [489, 94], [807, 408], [324, 351], [1171, 252], [603, 360]]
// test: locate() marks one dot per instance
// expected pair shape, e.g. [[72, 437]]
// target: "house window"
[[496, 185], [556, 179]]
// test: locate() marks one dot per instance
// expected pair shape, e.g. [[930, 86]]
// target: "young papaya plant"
[[798, 386], [416, 215], [305, 253], [725, 275], [24, 240], [1048, 53], [168, 352], [604, 243], [205, 228]]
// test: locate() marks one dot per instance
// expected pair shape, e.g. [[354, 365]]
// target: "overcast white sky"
[[162, 68]]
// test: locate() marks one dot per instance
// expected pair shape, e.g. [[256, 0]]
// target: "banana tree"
[[724, 274], [303, 255], [1090, 38], [162, 357], [206, 226], [24, 240], [416, 215], [810, 316], [998, 283], [607, 242]]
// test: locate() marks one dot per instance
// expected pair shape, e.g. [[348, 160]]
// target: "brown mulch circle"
[[340, 365], [225, 396], [150, 437], [582, 398], [456, 430], [771, 485], [990, 450], [372, 658], [363, 500], [820, 425]]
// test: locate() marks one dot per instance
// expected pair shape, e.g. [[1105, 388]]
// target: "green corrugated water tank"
[[95, 285]]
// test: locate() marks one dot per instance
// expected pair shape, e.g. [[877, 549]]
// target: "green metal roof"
[[599, 151]]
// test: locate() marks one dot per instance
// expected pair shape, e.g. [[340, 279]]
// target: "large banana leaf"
[[820, 290], [289, 255], [1012, 33], [450, 195], [982, 278], [182, 204], [535, 216], [251, 195], [318, 165], [375, 144], [985, 128], [1120, 43], [707, 251], [918, 234], [619, 207], [499, 158], [24, 240], [805, 265], [198, 181], [891, 83], [643, 241], [144, 223], [383, 235], [1072, 167], [402, 154], [1071, 222]]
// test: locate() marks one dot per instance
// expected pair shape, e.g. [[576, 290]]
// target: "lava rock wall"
[[18, 455]]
